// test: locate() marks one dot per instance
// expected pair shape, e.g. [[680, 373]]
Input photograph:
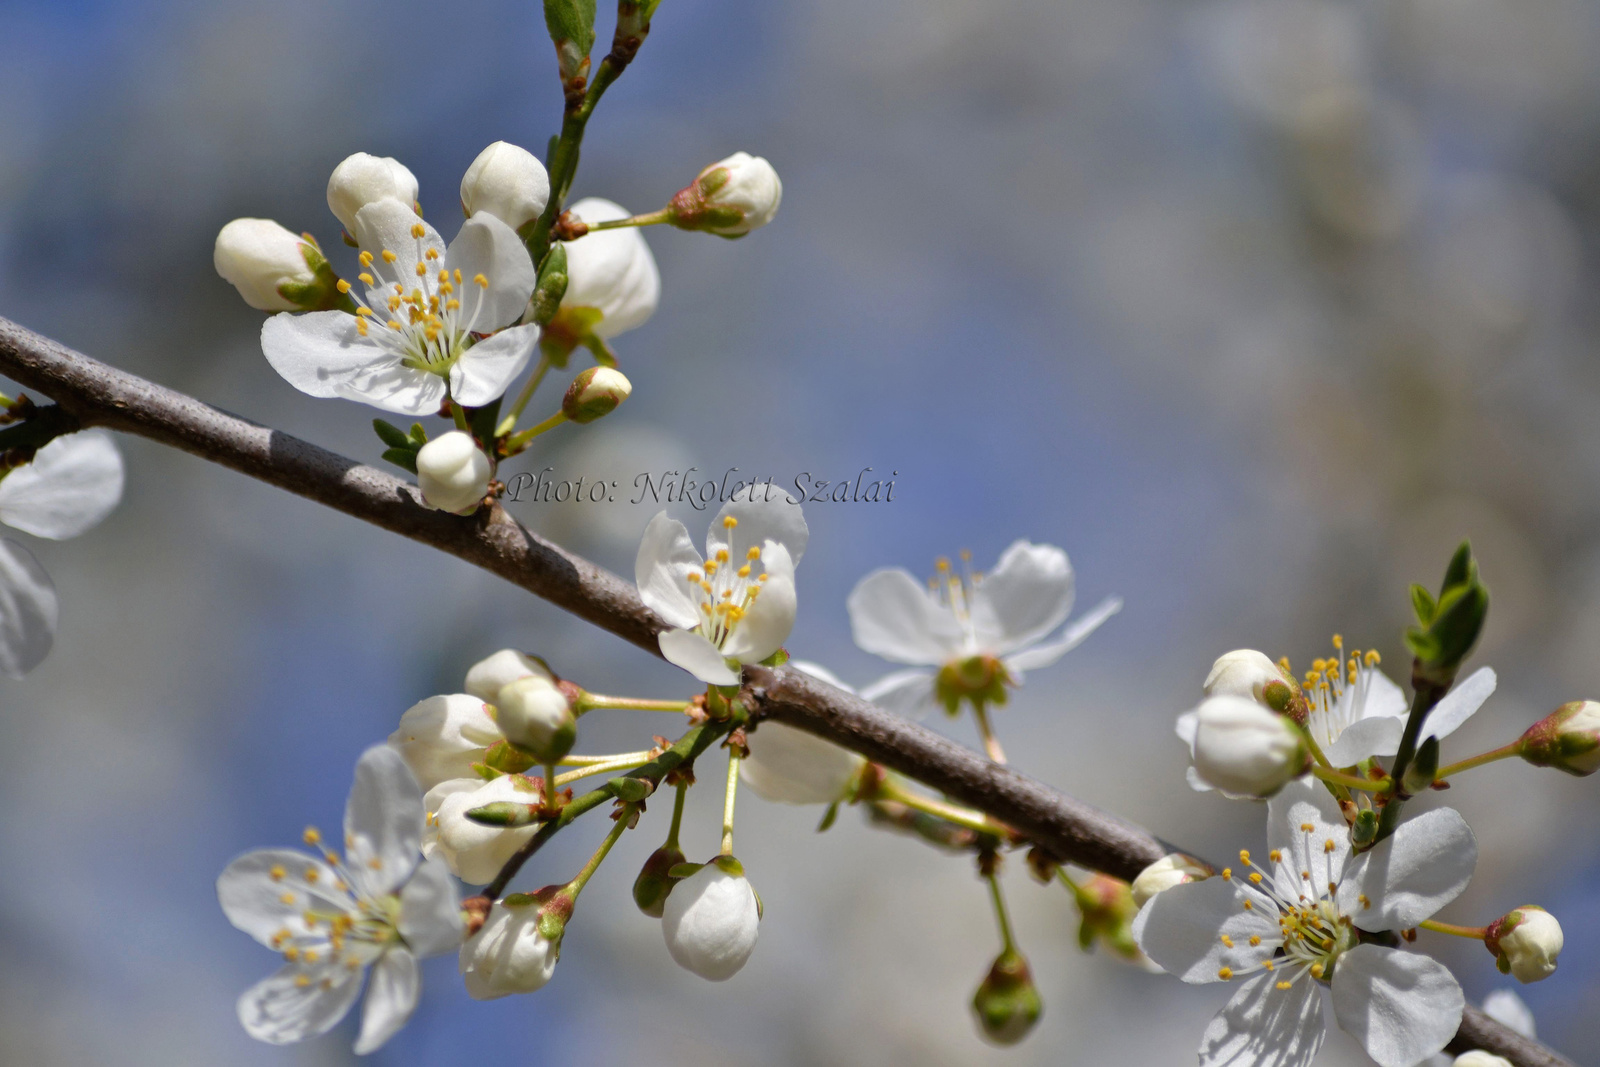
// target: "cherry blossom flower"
[[737, 604], [71, 484], [711, 920], [380, 908], [790, 766], [981, 631], [1293, 928]]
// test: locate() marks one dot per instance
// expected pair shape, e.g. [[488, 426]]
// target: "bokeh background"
[[1254, 306]]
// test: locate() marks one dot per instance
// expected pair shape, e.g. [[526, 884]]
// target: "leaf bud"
[[655, 881]]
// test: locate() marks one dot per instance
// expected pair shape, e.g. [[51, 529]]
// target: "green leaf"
[[683, 870], [828, 818], [1422, 603], [390, 434], [402, 457], [519, 900], [1462, 568], [419, 435], [571, 21]]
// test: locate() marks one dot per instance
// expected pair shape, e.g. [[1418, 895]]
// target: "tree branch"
[[99, 395]]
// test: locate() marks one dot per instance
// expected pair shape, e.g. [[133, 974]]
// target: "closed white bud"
[[729, 198], [1479, 1058], [364, 179], [508, 954], [534, 715], [486, 676], [443, 736], [710, 921], [1568, 738], [1249, 674], [508, 182], [273, 268], [475, 852], [1526, 942], [453, 473], [1244, 748], [594, 393], [611, 271], [1172, 869], [791, 766]]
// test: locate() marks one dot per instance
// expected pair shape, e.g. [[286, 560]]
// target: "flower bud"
[[1479, 1058], [1106, 910], [790, 766], [611, 271], [534, 715], [1172, 869], [442, 737], [1007, 1004], [710, 920], [475, 852], [363, 179], [730, 198], [453, 473], [1251, 675], [650, 889], [1241, 747], [1568, 738], [485, 677], [508, 182], [510, 954], [594, 393], [273, 269], [1525, 943]]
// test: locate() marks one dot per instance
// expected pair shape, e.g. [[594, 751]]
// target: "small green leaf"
[[571, 21], [1462, 568], [828, 818], [1422, 603], [391, 435], [419, 435], [519, 900], [402, 457], [683, 870]]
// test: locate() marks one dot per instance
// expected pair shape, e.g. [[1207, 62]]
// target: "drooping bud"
[[1251, 675], [1525, 943], [651, 888], [1007, 1003], [443, 736], [729, 198], [535, 715], [274, 269], [610, 271], [453, 473], [1175, 868], [1106, 909], [485, 677], [711, 919], [508, 182], [1568, 739], [791, 766], [1241, 747], [510, 953], [595, 393], [363, 179]]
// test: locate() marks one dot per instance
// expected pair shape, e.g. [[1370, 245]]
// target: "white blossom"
[[453, 473], [1479, 1058], [791, 766], [1246, 749], [981, 631], [1172, 869], [364, 179], [611, 271], [729, 198], [416, 331], [1527, 942], [534, 714], [441, 737], [1290, 928], [737, 604], [1244, 673], [379, 908], [1503, 1006], [710, 921], [508, 954], [508, 182], [473, 851], [488, 675], [265, 262]]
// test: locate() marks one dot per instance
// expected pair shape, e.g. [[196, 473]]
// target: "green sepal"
[[552, 926], [506, 758], [552, 285], [405, 458], [1424, 766], [729, 866], [829, 817], [683, 870], [504, 813], [1423, 604], [519, 900], [391, 434], [761, 909], [486, 772], [629, 790], [777, 659], [1365, 828], [419, 434], [482, 420]]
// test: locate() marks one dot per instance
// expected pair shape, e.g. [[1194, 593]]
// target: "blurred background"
[[1254, 306]]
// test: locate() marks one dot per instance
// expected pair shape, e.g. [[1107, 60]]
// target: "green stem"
[[623, 818], [459, 413], [621, 763], [509, 423], [1348, 781], [590, 701], [592, 761], [889, 789], [991, 743], [1338, 789], [727, 803], [522, 440], [1477, 933], [1514, 748], [677, 816], [564, 160], [653, 218], [1426, 694], [550, 785], [1007, 942]]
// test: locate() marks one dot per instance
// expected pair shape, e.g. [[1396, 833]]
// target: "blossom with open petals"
[[380, 908], [71, 484], [1292, 927], [421, 318], [980, 631], [737, 604]]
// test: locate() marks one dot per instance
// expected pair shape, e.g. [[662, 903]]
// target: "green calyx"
[[980, 680], [1007, 1004], [655, 881]]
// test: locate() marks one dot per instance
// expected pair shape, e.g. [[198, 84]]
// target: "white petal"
[[1181, 929], [892, 615], [1028, 594], [1200, 785], [387, 224], [430, 911], [484, 372], [391, 998], [1411, 875], [1186, 726], [691, 650], [395, 387], [318, 351], [768, 621], [666, 557], [759, 521], [612, 270], [1264, 1026], [1375, 736], [1460, 703], [1301, 803], [1073, 636], [1383, 697], [791, 766], [281, 1011], [28, 611], [383, 821], [74, 482], [818, 671], [269, 890], [909, 693], [489, 247], [1504, 1006], [1401, 1006]]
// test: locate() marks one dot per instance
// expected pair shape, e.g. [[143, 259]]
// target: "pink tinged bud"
[[1567, 739], [1525, 943], [710, 921], [364, 179], [510, 953], [506, 181], [595, 393], [273, 269], [1172, 869], [1241, 747], [453, 473], [535, 716], [729, 198]]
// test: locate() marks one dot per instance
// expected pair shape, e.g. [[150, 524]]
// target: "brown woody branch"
[[95, 394]]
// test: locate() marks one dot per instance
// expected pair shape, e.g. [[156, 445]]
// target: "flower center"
[[726, 593], [954, 591], [341, 928], [980, 679], [1312, 932], [1336, 690]]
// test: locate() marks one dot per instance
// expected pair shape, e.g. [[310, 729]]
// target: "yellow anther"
[[341, 887], [753, 554], [375, 863], [433, 253], [1328, 845], [309, 918], [311, 836], [1283, 665], [277, 872], [1373, 659], [366, 259], [291, 953], [722, 555], [458, 275], [1249, 906], [331, 858], [422, 270], [1255, 939], [389, 257], [1307, 827], [1267, 964], [361, 327], [310, 955], [1275, 856], [343, 286], [452, 305], [1316, 970], [363, 312], [287, 898], [1244, 855], [744, 572], [1227, 872], [1318, 665], [1285, 985], [312, 874], [480, 281], [1305, 876], [1338, 642], [302, 980], [366, 279], [394, 324], [760, 578], [1363, 901], [710, 566], [1226, 940], [1255, 876], [729, 522], [1225, 973], [417, 231]]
